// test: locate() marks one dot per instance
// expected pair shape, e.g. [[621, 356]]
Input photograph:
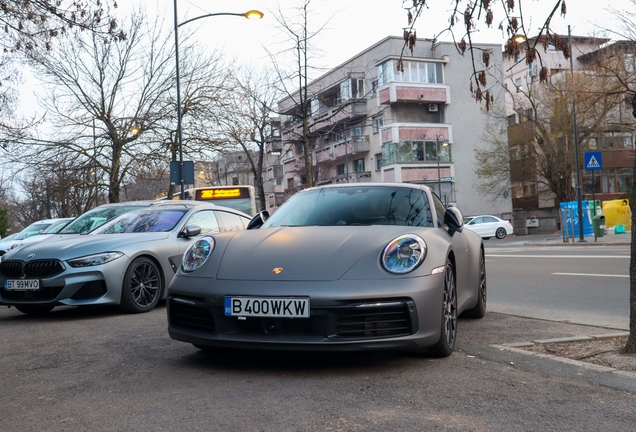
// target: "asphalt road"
[[580, 284], [100, 370]]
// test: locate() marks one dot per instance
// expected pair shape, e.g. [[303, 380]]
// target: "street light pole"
[[252, 15], [95, 152], [579, 204]]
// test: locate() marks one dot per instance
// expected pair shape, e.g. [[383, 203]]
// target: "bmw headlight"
[[93, 260], [404, 254], [197, 254]]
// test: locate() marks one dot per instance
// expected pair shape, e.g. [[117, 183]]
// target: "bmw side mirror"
[[258, 220], [454, 220]]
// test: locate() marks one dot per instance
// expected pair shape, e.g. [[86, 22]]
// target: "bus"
[[242, 198]]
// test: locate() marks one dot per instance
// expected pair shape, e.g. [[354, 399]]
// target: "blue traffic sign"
[[593, 161]]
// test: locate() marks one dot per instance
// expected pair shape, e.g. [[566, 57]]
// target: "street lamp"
[[251, 15], [579, 203], [439, 178]]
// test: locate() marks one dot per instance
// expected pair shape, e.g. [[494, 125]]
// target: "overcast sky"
[[352, 25]]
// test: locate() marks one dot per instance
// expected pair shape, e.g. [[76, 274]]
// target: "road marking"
[[590, 274], [556, 256]]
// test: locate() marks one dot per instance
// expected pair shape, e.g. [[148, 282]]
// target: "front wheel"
[[479, 311], [142, 286], [34, 309], [448, 333], [501, 233]]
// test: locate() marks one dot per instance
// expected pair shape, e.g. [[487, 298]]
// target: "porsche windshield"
[[355, 206]]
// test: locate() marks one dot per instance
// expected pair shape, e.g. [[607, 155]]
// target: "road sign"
[[593, 161]]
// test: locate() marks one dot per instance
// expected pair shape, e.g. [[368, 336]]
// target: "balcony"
[[341, 113], [295, 164], [275, 172], [275, 146], [414, 93]]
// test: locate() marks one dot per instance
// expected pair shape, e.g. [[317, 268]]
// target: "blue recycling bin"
[[572, 219]]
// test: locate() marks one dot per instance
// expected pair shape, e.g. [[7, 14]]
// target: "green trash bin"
[[598, 225]]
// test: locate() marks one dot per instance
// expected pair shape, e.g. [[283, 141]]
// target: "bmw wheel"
[[142, 286], [448, 334], [501, 233], [482, 292]]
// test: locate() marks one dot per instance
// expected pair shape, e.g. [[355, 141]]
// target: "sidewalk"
[[609, 239]]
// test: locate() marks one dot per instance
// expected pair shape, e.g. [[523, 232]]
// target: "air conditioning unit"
[[433, 108]]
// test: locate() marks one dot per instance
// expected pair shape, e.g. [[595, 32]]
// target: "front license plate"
[[274, 307], [22, 284]]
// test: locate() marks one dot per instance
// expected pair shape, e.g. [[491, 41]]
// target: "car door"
[[490, 225], [479, 226]]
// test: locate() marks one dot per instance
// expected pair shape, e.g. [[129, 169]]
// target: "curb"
[[588, 243], [516, 347]]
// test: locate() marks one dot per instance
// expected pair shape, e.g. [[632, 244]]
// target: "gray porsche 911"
[[127, 261], [338, 267]]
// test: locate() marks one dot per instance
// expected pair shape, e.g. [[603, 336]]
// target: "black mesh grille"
[[44, 294], [185, 313], [40, 269], [390, 319], [90, 290]]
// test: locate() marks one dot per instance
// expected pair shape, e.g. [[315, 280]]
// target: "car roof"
[[371, 184], [187, 205]]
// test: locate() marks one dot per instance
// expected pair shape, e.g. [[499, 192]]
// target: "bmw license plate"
[[22, 284], [274, 307]]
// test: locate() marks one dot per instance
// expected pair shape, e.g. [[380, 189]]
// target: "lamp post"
[[439, 178], [95, 152], [252, 15], [579, 204]]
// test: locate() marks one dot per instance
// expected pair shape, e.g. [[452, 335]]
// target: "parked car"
[[488, 226], [127, 261], [338, 267], [54, 228], [33, 230]]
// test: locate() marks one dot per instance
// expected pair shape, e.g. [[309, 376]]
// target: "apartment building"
[[373, 121]]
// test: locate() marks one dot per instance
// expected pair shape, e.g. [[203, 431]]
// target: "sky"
[[350, 26], [353, 25]]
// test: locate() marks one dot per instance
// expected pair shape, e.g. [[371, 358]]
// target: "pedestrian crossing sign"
[[593, 161]]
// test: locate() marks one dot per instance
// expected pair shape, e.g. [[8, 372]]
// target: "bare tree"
[[247, 120], [464, 20]]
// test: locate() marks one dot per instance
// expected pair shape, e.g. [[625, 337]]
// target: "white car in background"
[[488, 226]]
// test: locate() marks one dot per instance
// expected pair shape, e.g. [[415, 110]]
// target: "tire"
[[448, 326], [501, 233], [142, 287], [34, 309], [479, 311]]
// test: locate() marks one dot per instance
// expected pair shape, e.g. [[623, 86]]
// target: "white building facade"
[[382, 117]]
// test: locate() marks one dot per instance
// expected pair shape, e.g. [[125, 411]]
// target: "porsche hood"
[[301, 253]]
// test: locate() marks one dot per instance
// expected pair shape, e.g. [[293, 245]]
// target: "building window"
[[518, 84], [374, 87], [290, 183], [235, 181], [414, 151], [610, 180], [356, 131], [340, 169], [414, 71], [378, 122], [614, 140], [378, 161], [358, 165]]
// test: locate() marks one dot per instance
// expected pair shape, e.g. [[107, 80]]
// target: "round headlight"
[[404, 254], [197, 254]]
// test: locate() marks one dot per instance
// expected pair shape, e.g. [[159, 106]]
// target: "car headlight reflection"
[[93, 260], [197, 254], [404, 254]]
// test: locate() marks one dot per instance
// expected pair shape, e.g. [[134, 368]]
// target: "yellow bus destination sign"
[[210, 194]]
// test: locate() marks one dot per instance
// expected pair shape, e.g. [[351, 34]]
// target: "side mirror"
[[454, 220], [258, 220], [190, 231]]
